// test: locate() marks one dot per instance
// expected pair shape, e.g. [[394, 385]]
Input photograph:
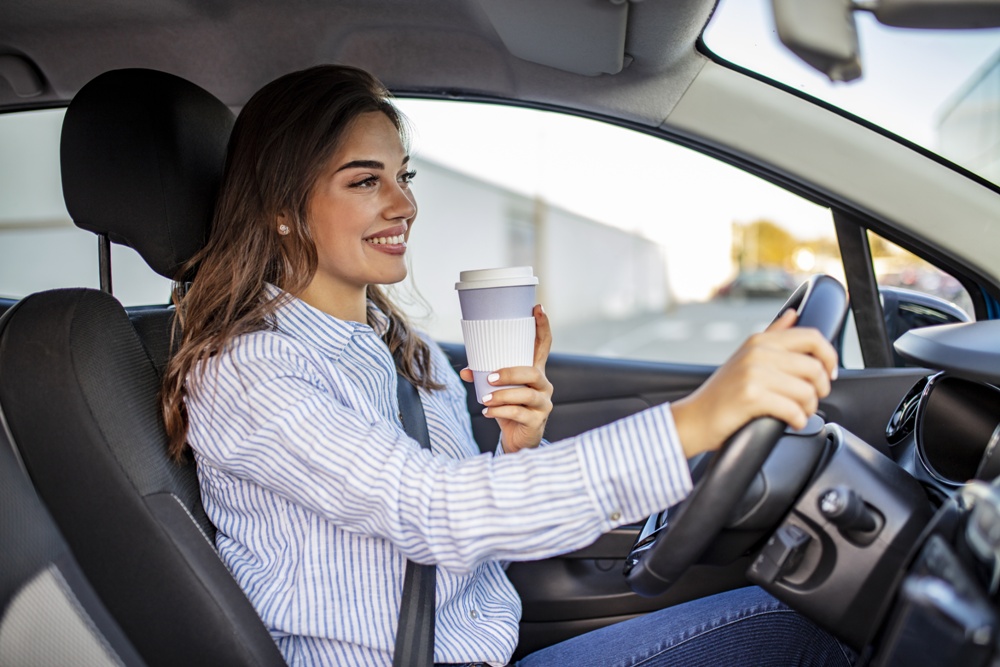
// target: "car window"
[[40, 248], [644, 249], [900, 269]]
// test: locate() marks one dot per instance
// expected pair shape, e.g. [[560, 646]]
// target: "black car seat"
[[142, 156], [50, 615]]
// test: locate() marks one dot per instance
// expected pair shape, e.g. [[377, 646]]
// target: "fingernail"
[[833, 375], [487, 398], [492, 377], [484, 412], [541, 309]]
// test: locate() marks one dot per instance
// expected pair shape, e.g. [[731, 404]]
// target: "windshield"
[[939, 89]]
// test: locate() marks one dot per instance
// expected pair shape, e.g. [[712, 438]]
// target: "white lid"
[[511, 276]]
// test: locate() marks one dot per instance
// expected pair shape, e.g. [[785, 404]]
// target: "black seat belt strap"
[[415, 634]]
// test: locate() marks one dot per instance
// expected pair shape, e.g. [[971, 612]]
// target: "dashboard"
[[945, 431], [946, 428]]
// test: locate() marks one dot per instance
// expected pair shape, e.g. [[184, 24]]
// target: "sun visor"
[[579, 36]]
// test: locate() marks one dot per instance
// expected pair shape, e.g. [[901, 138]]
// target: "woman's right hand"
[[781, 373]]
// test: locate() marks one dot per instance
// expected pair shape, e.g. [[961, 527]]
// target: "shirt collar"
[[297, 318]]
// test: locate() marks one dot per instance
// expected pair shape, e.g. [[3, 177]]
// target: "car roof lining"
[[232, 48]]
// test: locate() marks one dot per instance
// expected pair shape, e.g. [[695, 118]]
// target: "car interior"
[[879, 521]]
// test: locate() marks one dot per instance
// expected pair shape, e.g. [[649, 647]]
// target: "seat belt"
[[415, 633]]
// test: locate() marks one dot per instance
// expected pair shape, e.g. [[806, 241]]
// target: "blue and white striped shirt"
[[319, 495]]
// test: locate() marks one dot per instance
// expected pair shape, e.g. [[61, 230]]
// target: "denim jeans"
[[741, 628]]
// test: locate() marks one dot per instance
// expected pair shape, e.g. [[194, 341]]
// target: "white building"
[[587, 270]]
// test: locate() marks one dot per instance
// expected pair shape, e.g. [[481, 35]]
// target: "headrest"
[[142, 158]]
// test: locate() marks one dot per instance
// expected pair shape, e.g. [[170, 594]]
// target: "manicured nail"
[[833, 375], [541, 309], [492, 377], [487, 398], [484, 412]]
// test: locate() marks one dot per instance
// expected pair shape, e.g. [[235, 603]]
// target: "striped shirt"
[[319, 496]]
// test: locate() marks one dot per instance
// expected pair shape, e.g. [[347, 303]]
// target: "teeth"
[[391, 240]]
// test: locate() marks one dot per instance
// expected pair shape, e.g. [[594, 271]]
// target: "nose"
[[403, 204]]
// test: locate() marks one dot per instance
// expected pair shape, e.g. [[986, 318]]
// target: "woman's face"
[[360, 212]]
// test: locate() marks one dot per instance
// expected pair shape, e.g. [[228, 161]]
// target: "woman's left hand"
[[521, 412]]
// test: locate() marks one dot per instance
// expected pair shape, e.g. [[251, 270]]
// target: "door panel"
[[591, 391], [585, 589]]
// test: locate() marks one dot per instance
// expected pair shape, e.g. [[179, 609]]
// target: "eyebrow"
[[367, 164]]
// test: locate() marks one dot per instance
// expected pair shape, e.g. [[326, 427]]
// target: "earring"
[[283, 229]]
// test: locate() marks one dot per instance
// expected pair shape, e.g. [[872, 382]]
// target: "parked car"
[[759, 284], [879, 521]]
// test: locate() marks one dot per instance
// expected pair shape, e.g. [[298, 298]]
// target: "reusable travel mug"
[[497, 323]]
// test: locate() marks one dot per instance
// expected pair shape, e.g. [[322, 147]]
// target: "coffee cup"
[[498, 325]]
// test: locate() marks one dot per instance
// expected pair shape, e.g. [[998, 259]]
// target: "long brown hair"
[[282, 139]]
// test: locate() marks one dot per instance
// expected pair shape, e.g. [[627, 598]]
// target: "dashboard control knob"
[[845, 509]]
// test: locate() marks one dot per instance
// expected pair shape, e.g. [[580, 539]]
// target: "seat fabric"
[[50, 615]]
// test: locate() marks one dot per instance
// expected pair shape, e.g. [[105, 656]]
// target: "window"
[[898, 268], [915, 293], [644, 249], [40, 248]]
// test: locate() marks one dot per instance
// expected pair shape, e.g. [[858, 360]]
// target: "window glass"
[[914, 292], [937, 88], [644, 249], [40, 248], [899, 268]]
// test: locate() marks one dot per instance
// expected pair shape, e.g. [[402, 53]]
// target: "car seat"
[[142, 156], [50, 615]]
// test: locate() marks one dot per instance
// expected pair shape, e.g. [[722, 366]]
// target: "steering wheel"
[[661, 555]]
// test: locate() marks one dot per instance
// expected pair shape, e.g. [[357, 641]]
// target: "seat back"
[[142, 156], [50, 616]]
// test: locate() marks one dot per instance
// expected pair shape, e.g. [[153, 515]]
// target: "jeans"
[[741, 628]]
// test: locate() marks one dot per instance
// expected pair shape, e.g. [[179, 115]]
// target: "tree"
[[763, 243]]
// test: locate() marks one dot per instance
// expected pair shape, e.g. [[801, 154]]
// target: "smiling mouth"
[[387, 240]]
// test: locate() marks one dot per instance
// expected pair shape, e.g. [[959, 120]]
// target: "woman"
[[284, 387]]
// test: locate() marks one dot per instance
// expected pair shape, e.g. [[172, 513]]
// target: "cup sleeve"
[[493, 344]]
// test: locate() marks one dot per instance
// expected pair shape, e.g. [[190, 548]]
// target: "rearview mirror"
[[823, 33], [938, 14]]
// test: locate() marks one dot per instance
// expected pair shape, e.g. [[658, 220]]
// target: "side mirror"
[[905, 309]]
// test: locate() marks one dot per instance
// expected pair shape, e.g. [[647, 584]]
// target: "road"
[[696, 333]]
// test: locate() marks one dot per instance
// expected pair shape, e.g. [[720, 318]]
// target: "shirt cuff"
[[501, 451]]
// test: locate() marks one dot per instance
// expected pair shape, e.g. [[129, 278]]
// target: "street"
[[696, 333]]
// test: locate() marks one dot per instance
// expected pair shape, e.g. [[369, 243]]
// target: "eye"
[[365, 183], [406, 177]]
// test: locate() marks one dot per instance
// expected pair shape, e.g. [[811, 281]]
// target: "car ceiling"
[[459, 47]]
